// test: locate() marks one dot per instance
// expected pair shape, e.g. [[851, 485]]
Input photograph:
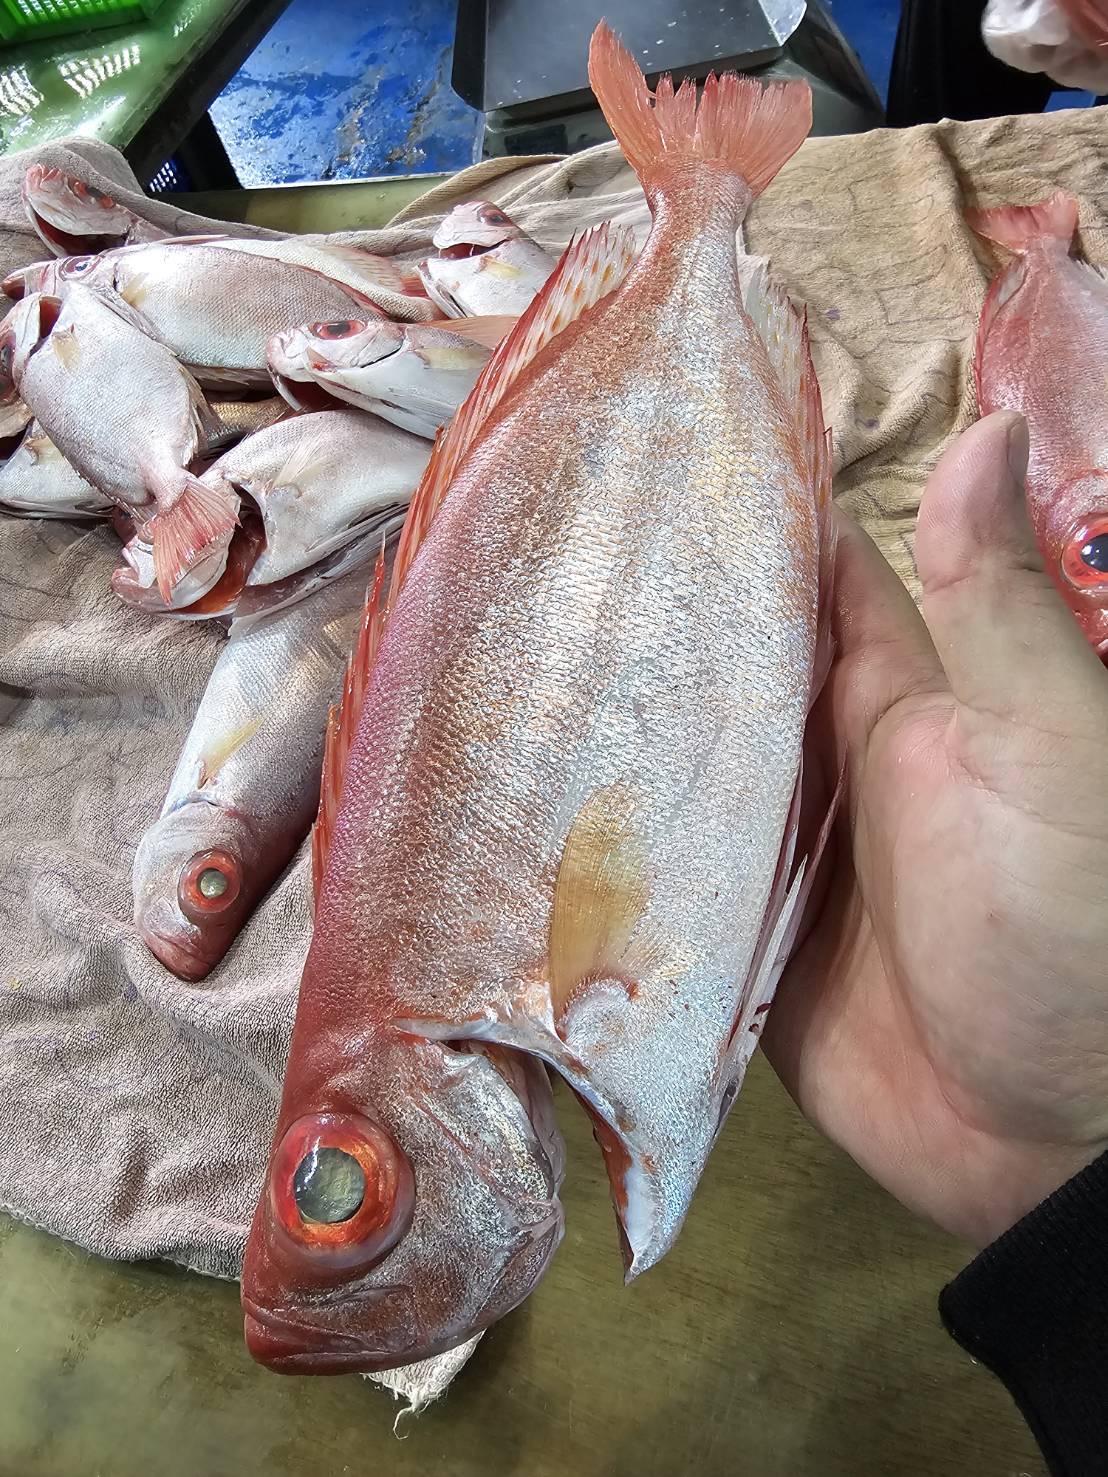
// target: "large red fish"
[[1042, 349], [567, 821]]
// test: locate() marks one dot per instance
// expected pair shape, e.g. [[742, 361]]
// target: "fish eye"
[[6, 356], [342, 1188], [494, 217], [341, 328], [208, 885], [76, 266], [1085, 554]]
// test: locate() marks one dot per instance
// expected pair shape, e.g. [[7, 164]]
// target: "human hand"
[[946, 1019]]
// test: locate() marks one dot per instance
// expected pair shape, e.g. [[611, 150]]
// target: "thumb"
[[1009, 644]]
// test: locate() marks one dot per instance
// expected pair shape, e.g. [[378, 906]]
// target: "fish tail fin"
[[784, 332], [746, 127], [1019, 227], [1088, 18], [199, 516]]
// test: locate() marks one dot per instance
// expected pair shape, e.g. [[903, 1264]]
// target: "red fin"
[[748, 127], [784, 332], [1088, 18], [487, 331], [591, 266], [342, 721], [199, 516], [1021, 226]]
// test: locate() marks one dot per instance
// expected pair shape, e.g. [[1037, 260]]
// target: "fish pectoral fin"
[[601, 896], [487, 330]]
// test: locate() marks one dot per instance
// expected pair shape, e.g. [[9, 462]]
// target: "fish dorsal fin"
[[593, 264], [601, 896], [342, 721], [784, 332]]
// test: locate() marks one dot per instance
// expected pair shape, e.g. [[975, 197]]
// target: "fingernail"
[[1019, 447]]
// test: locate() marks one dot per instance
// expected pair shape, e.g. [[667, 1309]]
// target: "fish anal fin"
[[601, 895], [784, 332]]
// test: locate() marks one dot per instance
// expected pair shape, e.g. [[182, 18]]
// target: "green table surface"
[[792, 1331], [105, 83]]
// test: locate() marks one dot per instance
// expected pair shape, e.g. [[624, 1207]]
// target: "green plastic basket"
[[27, 20]]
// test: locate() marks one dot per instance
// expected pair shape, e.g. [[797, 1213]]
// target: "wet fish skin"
[[317, 481], [126, 416], [568, 813], [485, 264], [71, 217], [36, 481], [1042, 350], [414, 375], [246, 785]]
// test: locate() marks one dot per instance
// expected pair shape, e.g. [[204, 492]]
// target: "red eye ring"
[[377, 1219], [341, 328], [208, 885], [74, 266], [1084, 556]]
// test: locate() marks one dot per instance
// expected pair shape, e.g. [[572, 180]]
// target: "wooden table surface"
[[792, 1332]]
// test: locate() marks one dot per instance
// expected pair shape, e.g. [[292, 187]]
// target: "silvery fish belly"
[[36, 481]]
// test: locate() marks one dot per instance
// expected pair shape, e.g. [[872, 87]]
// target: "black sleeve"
[[943, 69], [1033, 1307]]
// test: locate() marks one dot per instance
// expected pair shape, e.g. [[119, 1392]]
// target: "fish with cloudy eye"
[[1042, 350], [561, 809], [246, 785], [484, 263], [414, 375]]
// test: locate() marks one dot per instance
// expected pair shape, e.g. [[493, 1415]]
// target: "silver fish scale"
[[619, 590]]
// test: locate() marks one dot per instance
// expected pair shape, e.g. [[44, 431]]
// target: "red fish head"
[[199, 872], [71, 216], [1083, 564], [410, 1201], [26, 326]]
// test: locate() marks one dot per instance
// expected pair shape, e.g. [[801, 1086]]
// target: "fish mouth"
[[459, 250], [306, 395], [306, 1344], [176, 955]]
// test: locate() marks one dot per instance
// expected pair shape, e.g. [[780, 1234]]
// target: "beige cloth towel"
[[135, 1109]]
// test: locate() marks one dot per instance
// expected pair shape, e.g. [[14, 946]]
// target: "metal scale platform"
[[524, 64]]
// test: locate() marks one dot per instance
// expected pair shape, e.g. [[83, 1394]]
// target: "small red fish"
[[1042, 350]]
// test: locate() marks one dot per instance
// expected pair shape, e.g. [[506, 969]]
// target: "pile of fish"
[[253, 417], [559, 820]]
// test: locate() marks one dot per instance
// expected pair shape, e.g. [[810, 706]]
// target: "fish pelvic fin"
[[342, 721], [746, 127], [200, 516], [784, 332], [601, 897], [1019, 227]]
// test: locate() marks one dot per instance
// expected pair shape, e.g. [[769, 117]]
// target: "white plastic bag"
[[1039, 36]]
